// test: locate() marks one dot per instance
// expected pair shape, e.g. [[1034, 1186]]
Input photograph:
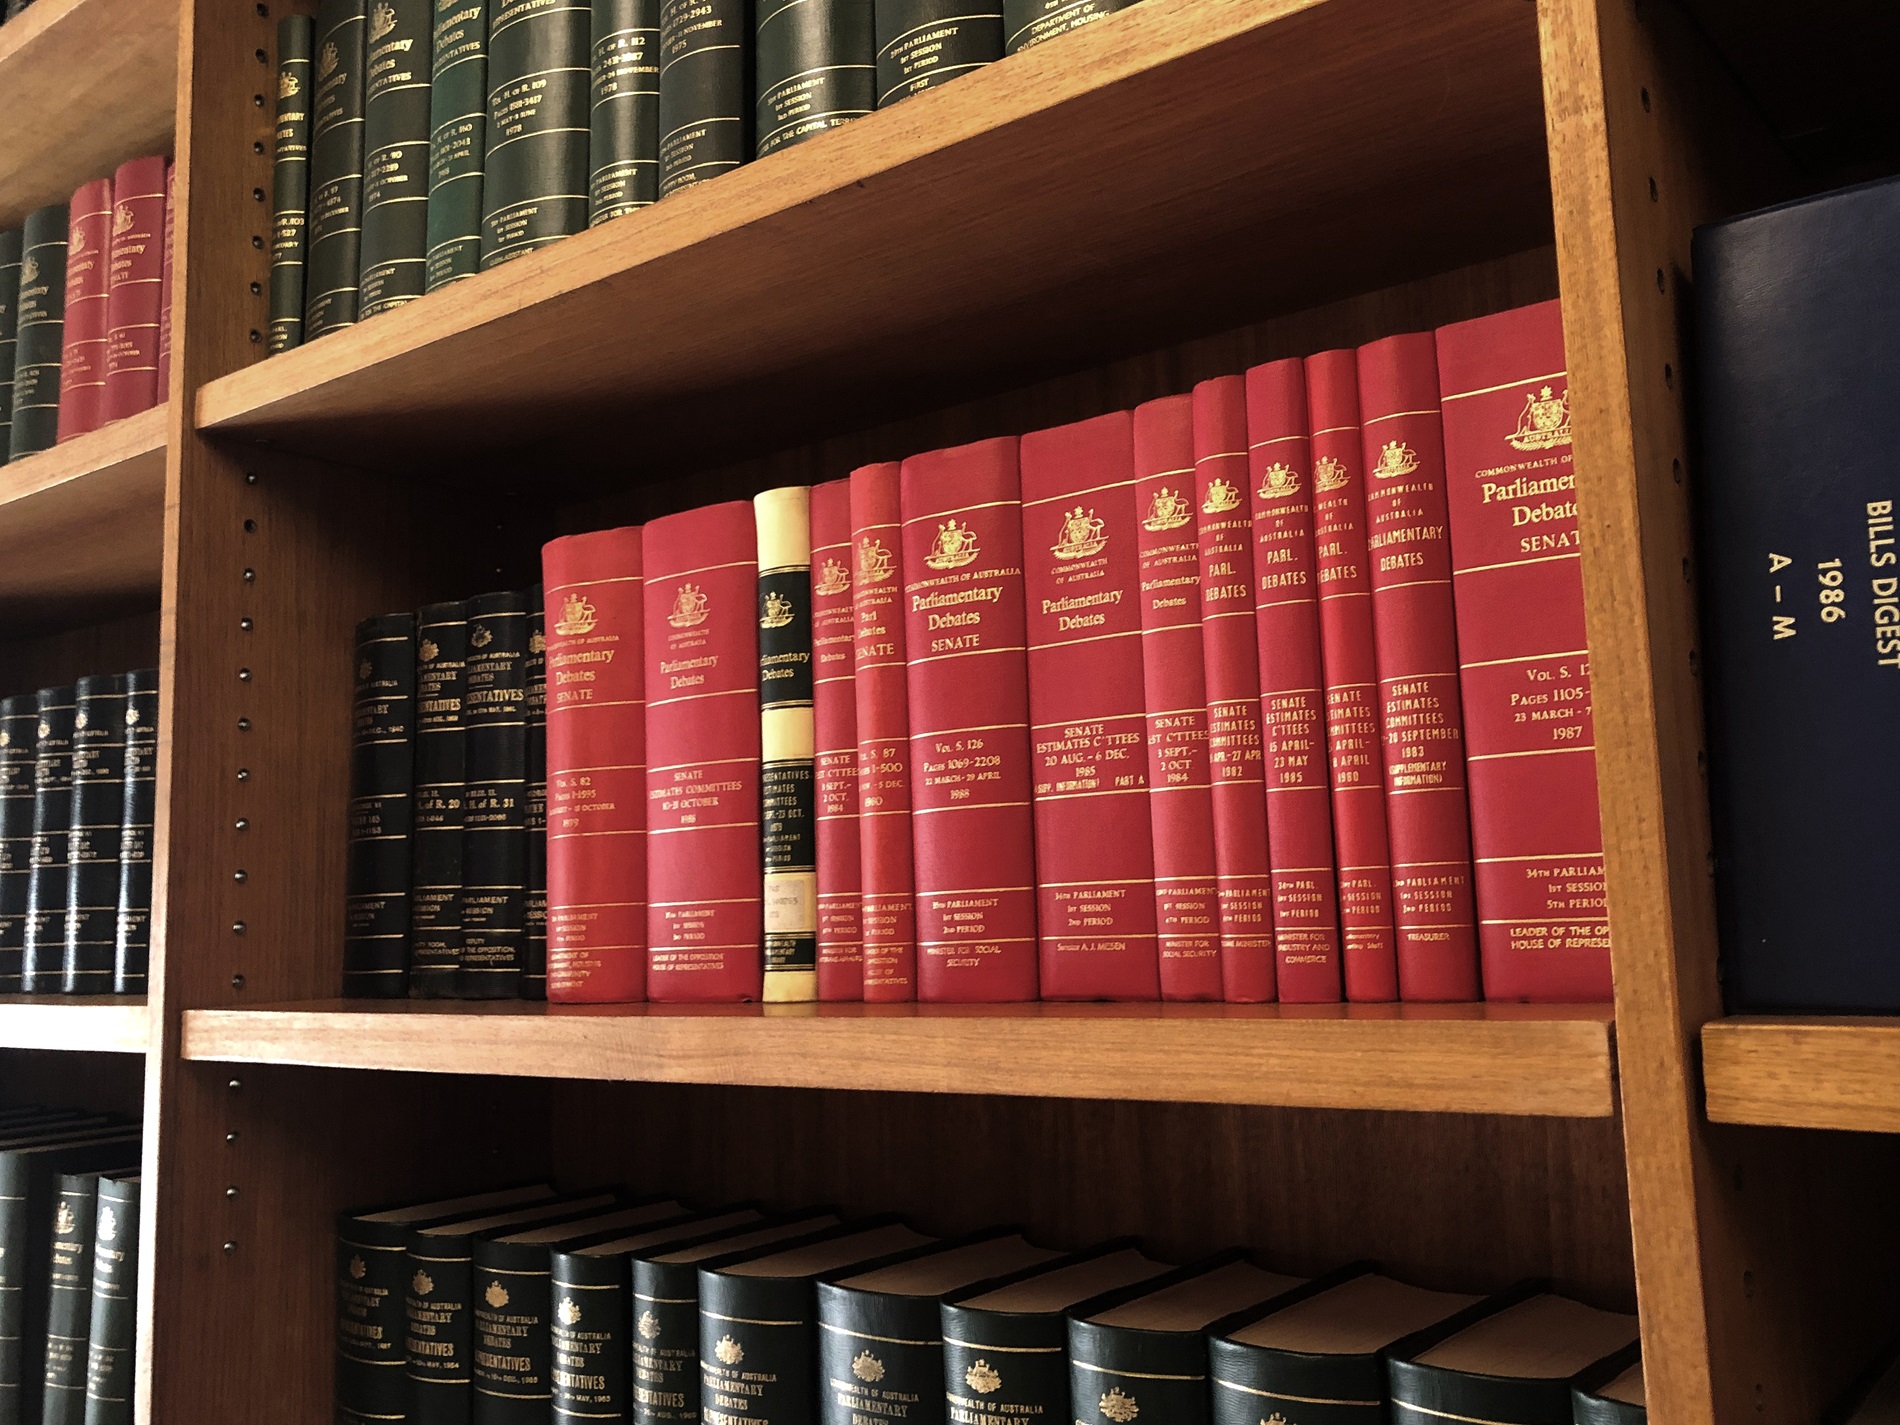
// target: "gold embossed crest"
[[428, 650], [288, 85], [1170, 509], [1119, 1407], [29, 271], [1082, 535], [1329, 473], [78, 243], [327, 61], [382, 19], [46, 728], [777, 611], [874, 561], [867, 1367], [834, 579], [1544, 423], [6, 738], [578, 616], [729, 1351], [357, 1269], [363, 670], [423, 1283], [131, 714], [1221, 497], [1275, 1419], [108, 1225], [569, 1311], [1397, 458], [1279, 481], [954, 547], [689, 607], [480, 636], [982, 1378], [648, 1326], [122, 219], [81, 721], [496, 1295], [537, 642]]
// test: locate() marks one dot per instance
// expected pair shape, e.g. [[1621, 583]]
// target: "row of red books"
[[1210, 700]]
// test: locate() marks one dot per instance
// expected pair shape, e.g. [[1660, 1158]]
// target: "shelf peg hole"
[[237, 982], [230, 1248], [245, 625], [257, 146], [1655, 193], [257, 195], [256, 241], [250, 526], [240, 876], [244, 675], [1661, 283], [237, 927], [243, 823], [256, 336], [244, 774], [250, 576], [1675, 470], [234, 1085], [244, 724], [1669, 376], [231, 1191], [231, 1137], [262, 58], [257, 101], [257, 289], [1645, 100]]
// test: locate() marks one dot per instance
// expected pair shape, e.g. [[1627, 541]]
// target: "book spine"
[[1524, 659], [788, 828], [396, 154], [382, 809], [44, 942], [705, 914], [924, 43], [972, 826], [371, 1277], [514, 1346], [132, 948], [11, 245], [69, 1301], [495, 805], [135, 287], [1420, 710], [835, 745], [19, 748], [597, 848], [665, 1312], [624, 150], [458, 140], [290, 180], [1231, 666], [112, 1331], [1251, 1383], [1292, 686], [705, 61], [94, 836], [879, 1357], [1353, 749], [334, 262], [1030, 22], [1095, 906], [82, 362], [758, 1350], [435, 1283], [1000, 1366], [1180, 788], [540, 70], [163, 381], [880, 698], [534, 911], [590, 1332], [39, 332], [817, 68], [441, 767]]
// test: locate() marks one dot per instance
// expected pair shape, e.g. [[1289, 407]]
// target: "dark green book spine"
[[94, 835], [534, 974], [665, 1342], [437, 1311], [396, 153], [923, 43], [1030, 22], [458, 140], [41, 332], [705, 71], [817, 68], [290, 180], [495, 808], [113, 1333], [539, 74], [11, 245], [133, 951], [44, 955], [371, 1269], [589, 1330], [69, 1300], [435, 928], [514, 1347], [758, 1349], [332, 273], [19, 748], [624, 151], [879, 1358], [382, 809]]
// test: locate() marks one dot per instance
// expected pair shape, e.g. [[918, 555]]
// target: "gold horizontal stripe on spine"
[[1446, 1415], [1410, 584], [973, 727], [701, 569], [1507, 386], [1550, 920], [596, 583], [750, 692], [747, 1320], [1132, 1375], [1092, 638], [1365, 420], [960, 509], [1076, 494], [1013, 1350], [703, 826], [1538, 752], [1549, 856], [584, 835], [867, 1336], [668, 1300], [1515, 563], [1527, 658], [1078, 796], [966, 806], [1297, 1399], [973, 653], [1076, 721], [679, 766]]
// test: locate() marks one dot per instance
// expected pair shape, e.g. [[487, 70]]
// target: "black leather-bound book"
[[112, 1337], [924, 43], [12, 242], [458, 140], [1613, 1393], [435, 905], [817, 68], [19, 750], [495, 807], [705, 89], [1798, 314], [534, 905], [1030, 22], [332, 264], [396, 154], [44, 955], [290, 179], [539, 81], [624, 150], [69, 1299], [94, 835], [40, 332], [133, 931], [382, 809]]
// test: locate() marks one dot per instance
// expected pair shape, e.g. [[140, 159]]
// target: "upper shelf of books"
[[1180, 167]]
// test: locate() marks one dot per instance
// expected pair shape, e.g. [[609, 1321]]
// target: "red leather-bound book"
[[82, 366], [597, 774], [1095, 897], [1232, 669], [705, 881], [135, 287], [887, 893], [1536, 840], [1292, 686], [164, 379], [971, 824], [1353, 748], [1420, 710], [835, 745], [1180, 798]]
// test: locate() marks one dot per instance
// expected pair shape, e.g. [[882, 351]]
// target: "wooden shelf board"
[[56, 58], [100, 1024], [82, 525], [1802, 1071], [1178, 168], [1500, 1059]]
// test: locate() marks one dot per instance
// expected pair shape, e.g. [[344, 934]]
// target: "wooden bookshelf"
[[111, 1024], [1792, 1071]]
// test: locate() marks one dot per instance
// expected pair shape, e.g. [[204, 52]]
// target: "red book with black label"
[[1095, 904], [971, 824], [1180, 798], [164, 383], [1354, 752], [597, 773], [82, 365], [1419, 707], [835, 745], [135, 287], [1232, 669], [705, 879], [1536, 840], [887, 893], [1292, 685]]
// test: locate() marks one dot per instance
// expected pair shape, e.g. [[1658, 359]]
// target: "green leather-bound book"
[[113, 1338], [332, 274], [1030, 22], [458, 140], [494, 807], [290, 180], [705, 68], [817, 68], [396, 153], [11, 243], [41, 328], [534, 903], [624, 151], [923, 43], [539, 74]]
